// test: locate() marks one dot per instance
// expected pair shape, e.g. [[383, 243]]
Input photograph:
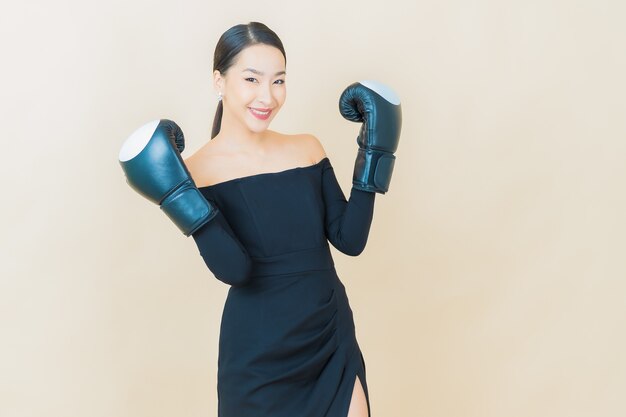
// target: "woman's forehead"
[[262, 59]]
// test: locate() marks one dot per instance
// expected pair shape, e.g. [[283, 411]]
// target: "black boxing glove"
[[378, 108], [151, 160]]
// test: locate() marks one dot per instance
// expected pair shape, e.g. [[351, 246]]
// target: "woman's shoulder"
[[205, 163], [210, 164], [302, 142], [307, 144]]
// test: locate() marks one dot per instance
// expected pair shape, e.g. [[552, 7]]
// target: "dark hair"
[[233, 41]]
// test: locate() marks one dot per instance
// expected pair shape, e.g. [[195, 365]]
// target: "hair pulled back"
[[233, 41]]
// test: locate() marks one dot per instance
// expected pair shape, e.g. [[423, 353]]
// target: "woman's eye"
[[252, 79]]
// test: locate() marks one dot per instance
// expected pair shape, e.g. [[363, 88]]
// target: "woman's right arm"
[[151, 160], [222, 251]]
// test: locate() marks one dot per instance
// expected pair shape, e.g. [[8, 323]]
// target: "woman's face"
[[253, 89]]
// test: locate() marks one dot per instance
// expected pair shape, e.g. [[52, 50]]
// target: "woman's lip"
[[256, 108], [258, 116]]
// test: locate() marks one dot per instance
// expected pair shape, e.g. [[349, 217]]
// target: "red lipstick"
[[261, 114]]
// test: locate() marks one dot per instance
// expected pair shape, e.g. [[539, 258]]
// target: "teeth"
[[261, 113]]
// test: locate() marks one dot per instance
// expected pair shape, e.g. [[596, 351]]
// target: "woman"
[[279, 356], [262, 207]]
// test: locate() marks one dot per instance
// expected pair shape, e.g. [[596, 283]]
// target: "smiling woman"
[[263, 223], [245, 88], [287, 343], [249, 69]]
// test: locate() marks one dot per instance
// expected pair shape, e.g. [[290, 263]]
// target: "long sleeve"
[[347, 223], [222, 251]]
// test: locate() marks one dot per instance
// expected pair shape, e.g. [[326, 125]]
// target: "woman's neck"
[[235, 137]]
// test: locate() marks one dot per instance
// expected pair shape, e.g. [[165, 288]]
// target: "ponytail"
[[217, 121]]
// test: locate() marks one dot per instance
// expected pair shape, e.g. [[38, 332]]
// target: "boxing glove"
[[378, 108], [151, 160]]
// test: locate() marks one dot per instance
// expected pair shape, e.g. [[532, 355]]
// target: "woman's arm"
[[347, 223], [222, 251]]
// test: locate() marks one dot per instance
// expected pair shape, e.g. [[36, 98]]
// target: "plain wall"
[[493, 280]]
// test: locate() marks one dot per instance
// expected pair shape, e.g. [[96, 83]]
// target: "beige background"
[[493, 281]]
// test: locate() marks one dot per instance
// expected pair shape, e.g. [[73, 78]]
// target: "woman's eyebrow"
[[261, 73]]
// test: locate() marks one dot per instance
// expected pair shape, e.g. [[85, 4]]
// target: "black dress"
[[287, 345]]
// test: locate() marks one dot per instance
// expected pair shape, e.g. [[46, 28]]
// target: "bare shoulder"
[[212, 164], [311, 146], [204, 165]]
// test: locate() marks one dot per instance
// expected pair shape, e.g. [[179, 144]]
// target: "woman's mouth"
[[262, 114]]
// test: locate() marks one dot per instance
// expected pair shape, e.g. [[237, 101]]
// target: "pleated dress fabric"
[[287, 343]]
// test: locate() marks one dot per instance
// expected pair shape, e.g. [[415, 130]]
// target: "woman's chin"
[[259, 126]]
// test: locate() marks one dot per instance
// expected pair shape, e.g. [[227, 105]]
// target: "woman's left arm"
[[347, 222]]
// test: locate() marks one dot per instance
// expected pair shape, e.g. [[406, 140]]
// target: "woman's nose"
[[265, 94]]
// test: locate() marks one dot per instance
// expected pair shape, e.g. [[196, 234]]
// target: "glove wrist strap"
[[188, 208], [373, 170]]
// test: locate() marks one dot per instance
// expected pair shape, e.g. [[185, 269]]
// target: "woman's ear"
[[218, 82]]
